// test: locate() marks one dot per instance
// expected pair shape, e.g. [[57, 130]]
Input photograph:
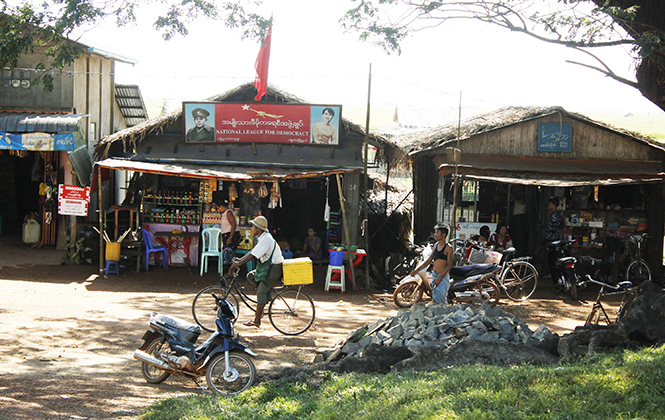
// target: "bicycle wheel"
[[407, 294], [520, 280], [204, 307], [291, 312], [638, 272]]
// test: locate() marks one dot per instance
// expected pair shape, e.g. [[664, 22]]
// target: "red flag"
[[261, 66]]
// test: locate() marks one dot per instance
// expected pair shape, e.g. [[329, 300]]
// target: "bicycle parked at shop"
[[598, 313], [291, 311], [518, 277]]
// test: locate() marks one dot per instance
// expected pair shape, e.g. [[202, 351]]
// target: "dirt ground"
[[68, 334]]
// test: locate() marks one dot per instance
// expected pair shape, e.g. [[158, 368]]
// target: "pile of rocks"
[[441, 325]]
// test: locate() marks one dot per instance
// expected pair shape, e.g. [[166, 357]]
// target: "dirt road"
[[68, 335]]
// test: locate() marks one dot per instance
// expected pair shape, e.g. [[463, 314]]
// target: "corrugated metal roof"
[[130, 102], [38, 122]]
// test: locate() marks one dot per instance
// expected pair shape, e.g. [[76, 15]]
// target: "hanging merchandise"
[[233, 193], [326, 210], [275, 196], [263, 190], [249, 188]]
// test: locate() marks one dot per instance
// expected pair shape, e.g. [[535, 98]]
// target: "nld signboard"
[[207, 122]]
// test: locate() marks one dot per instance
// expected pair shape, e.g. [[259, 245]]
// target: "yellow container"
[[113, 251], [246, 239], [298, 271]]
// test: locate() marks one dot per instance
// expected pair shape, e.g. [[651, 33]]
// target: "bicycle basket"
[[477, 256]]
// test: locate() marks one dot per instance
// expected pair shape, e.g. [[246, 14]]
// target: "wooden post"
[[346, 228], [101, 220]]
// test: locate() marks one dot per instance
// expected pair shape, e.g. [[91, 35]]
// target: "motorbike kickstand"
[[199, 385]]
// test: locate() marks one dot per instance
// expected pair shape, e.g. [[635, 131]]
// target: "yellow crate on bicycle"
[[298, 271]]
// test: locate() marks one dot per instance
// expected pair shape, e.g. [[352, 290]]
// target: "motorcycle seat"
[[176, 323], [472, 270]]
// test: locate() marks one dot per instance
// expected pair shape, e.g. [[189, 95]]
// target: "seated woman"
[[312, 247], [500, 239]]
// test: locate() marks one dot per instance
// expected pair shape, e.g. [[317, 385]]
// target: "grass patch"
[[620, 385]]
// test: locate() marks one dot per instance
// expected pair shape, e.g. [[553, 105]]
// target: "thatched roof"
[[400, 195], [132, 136], [442, 136]]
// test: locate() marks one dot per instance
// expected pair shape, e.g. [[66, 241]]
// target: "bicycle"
[[291, 311], [598, 312], [518, 277], [638, 271]]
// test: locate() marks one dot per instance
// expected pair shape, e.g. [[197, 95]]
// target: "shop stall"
[[263, 159], [505, 165]]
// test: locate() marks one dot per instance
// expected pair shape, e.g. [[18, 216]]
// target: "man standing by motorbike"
[[442, 258]]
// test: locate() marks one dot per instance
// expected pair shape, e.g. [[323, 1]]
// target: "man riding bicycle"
[[269, 268]]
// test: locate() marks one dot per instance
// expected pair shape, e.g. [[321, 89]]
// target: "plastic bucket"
[[336, 258], [113, 251]]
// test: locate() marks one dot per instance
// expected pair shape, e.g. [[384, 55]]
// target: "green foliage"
[[50, 24], [619, 385], [76, 252]]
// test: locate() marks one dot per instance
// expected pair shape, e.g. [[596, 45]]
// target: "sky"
[[312, 58]]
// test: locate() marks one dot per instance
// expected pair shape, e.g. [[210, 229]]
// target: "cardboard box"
[[298, 271]]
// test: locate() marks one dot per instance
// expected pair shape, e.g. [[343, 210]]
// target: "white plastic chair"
[[211, 248]]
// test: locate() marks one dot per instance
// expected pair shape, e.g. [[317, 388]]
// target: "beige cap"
[[261, 223]]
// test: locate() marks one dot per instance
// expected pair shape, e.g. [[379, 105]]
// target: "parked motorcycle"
[[398, 266], [169, 348], [562, 267], [471, 283]]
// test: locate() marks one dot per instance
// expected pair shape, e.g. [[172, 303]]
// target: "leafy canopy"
[[50, 25]]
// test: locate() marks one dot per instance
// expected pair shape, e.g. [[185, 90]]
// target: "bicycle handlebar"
[[621, 286]]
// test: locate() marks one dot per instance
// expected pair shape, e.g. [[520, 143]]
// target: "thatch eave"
[[434, 140], [132, 136]]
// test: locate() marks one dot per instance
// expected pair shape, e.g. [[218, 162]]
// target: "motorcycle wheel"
[[153, 374], [483, 291], [407, 294], [204, 306], [241, 376]]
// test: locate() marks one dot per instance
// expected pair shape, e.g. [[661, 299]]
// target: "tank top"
[[439, 254], [225, 224]]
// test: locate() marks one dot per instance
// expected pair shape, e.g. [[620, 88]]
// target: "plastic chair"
[[211, 248], [150, 248], [339, 284]]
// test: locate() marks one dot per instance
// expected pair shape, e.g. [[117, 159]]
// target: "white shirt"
[[264, 247]]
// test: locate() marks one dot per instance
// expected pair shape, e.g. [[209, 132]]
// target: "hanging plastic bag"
[[326, 210]]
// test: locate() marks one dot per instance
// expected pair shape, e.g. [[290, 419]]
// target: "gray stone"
[[396, 331]]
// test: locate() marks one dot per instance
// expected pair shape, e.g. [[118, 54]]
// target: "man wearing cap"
[[202, 132], [265, 249]]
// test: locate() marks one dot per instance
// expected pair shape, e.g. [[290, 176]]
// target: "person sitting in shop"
[[483, 235], [312, 247], [268, 272], [500, 239]]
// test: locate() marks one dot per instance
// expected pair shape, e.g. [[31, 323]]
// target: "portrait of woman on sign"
[[326, 130]]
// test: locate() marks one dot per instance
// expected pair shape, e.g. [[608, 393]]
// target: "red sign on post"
[[73, 200]]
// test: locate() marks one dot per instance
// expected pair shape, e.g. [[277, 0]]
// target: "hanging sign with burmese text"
[[210, 122], [555, 137]]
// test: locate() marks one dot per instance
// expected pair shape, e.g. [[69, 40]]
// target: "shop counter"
[[183, 245]]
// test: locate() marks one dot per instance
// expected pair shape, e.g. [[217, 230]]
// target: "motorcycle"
[[169, 348], [562, 267], [405, 264], [471, 283]]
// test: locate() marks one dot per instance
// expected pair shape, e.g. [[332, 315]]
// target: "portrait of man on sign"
[[325, 125], [198, 123]]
